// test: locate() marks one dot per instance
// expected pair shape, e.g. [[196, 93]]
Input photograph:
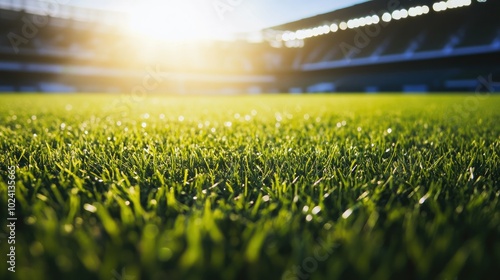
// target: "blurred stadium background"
[[374, 46]]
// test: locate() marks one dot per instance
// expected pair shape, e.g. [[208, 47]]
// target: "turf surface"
[[267, 187]]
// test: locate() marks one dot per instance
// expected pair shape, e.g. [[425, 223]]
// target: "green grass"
[[267, 187]]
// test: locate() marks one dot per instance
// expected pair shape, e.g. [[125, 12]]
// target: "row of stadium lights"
[[295, 39]]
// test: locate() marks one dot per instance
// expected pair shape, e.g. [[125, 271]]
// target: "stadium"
[[245, 139]]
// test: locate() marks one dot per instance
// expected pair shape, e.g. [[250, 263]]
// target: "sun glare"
[[172, 20]]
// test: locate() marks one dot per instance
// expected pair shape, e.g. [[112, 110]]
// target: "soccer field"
[[251, 187]]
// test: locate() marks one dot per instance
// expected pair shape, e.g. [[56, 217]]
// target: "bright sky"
[[212, 18]]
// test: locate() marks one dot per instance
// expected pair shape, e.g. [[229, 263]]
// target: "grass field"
[[263, 187]]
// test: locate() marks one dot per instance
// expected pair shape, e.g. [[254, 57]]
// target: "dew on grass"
[[127, 203], [68, 228], [339, 125], [309, 217], [90, 208], [423, 199], [316, 210], [347, 213], [63, 125], [305, 209], [144, 125], [265, 198], [278, 117], [389, 130], [359, 129]]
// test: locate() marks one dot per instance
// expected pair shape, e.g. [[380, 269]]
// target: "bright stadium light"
[[343, 25], [334, 27], [403, 13], [396, 15], [386, 17]]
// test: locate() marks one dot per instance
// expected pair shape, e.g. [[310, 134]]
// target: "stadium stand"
[[402, 46]]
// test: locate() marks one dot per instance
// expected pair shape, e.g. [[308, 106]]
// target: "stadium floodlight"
[[334, 27], [403, 13], [386, 17], [326, 29], [396, 15], [414, 11]]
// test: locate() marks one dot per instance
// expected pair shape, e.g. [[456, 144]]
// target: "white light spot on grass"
[[145, 116], [228, 124], [265, 198], [34, 135], [278, 117], [90, 208], [344, 123], [423, 199], [359, 129], [309, 218], [63, 126], [254, 113], [237, 116], [305, 209], [213, 130], [162, 116], [144, 125], [306, 117], [316, 210], [68, 107], [339, 125], [389, 130], [127, 203], [68, 228], [347, 213], [181, 118], [33, 117], [118, 123]]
